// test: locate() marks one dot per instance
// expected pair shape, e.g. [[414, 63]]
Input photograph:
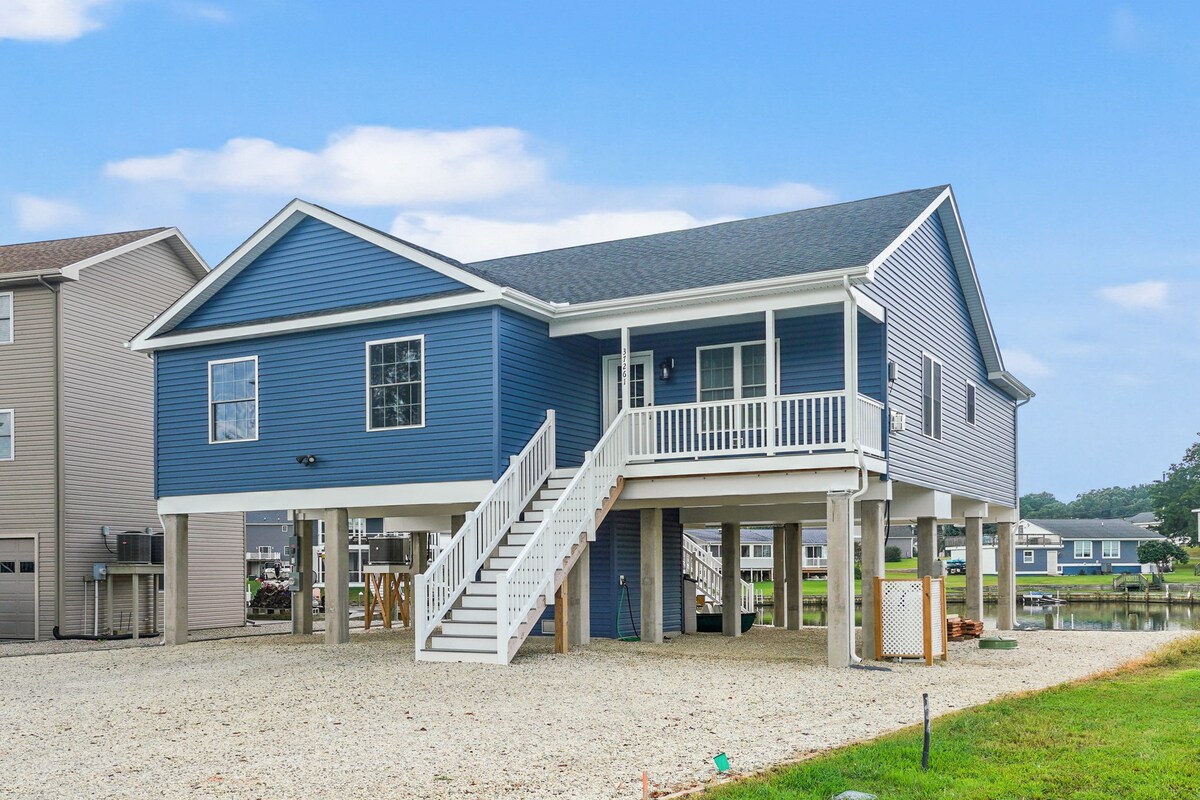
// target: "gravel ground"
[[284, 717]]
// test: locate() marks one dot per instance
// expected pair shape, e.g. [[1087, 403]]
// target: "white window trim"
[[1027, 557], [367, 382], [12, 318], [12, 456], [1104, 542], [972, 387], [209, 409], [737, 367], [940, 426], [1075, 549]]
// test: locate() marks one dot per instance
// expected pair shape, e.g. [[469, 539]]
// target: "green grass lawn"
[[1129, 734]]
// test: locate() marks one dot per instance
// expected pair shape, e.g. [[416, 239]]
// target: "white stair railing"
[[455, 567], [573, 515], [706, 569]]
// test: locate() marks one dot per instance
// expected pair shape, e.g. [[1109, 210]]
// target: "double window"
[[762, 551], [233, 400], [396, 383], [1083, 549], [1110, 548], [733, 371], [931, 396], [7, 434], [6, 317]]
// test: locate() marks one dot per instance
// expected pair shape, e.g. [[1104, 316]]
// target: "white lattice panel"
[[937, 615], [903, 618]]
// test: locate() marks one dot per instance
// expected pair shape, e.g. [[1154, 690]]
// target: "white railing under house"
[[706, 569], [870, 424], [573, 516], [461, 558]]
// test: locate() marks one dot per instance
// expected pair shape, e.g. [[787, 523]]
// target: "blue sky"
[[1069, 131]]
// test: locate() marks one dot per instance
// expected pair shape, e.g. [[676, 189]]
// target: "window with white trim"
[[6, 317], [1083, 549], [8, 442], [762, 551], [971, 391], [931, 396], [745, 551], [715, 549], [1110, 548], [733, 371], [233, 400], [1028, 556], [396, 384]]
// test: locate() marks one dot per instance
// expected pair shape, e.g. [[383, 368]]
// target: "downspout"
[[59, 464], [860, 455]]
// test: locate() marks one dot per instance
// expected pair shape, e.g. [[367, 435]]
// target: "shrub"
[[892, 553]]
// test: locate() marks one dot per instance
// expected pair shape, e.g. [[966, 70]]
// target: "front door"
[[641, 383]]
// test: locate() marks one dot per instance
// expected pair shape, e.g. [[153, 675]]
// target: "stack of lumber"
[[959, 629]]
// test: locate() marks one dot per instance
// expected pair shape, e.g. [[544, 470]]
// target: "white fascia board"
[[870, 307], [693, 304], [1013, 387], [720, 468], [71, 272], [403, 497], [887, 252]]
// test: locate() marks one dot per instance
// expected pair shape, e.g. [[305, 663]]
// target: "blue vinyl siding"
[[1039, 560], [317, 267], [926, 311], [537, 373], [1074, 566], [616, 552], [312, 400]]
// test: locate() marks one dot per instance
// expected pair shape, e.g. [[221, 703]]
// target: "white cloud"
[[204, 11], [1128, 32], [365, 165], [1142, 296], [48, 20], [470, 238], [1026, 365], [42, 213]]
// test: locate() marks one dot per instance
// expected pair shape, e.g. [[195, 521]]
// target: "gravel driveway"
[[279, 717]]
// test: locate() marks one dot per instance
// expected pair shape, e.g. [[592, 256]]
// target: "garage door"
[[16, 588]]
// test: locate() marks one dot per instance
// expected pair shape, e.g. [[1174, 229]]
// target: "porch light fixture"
[[664, 369], [306, 460]]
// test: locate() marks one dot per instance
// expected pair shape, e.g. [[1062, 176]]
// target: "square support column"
[[652, 575], [872, 567], [1006, 576], [302, 616], [420, 551], [794, 575], [974, 542], [337, 576], [840, 611], [579, 618], [927, 555], [731, 579], [175, 579], [779, 578]]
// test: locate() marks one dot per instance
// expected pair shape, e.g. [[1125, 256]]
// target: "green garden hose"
[[628, 604]]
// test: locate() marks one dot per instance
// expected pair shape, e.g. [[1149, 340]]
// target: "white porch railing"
[[706, 569], [815, 563], [455, 566], [803, 423], [572, 516]]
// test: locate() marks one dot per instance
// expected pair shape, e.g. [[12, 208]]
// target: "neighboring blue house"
[[1079, 546], [329, 367]]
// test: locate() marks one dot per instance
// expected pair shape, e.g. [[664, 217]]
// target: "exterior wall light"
[[306, 460], [664, 369]]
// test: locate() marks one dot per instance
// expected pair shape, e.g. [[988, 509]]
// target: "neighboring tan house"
[[77, 434]]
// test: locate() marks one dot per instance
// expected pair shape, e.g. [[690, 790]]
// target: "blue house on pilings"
[[566, 413]]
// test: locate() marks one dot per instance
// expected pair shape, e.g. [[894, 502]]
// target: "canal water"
[[1073, 616]]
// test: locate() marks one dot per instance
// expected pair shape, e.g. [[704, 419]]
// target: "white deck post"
[[625, 356], [793, 532], [974, 543], [840, 577], [873, 536], [175, 579], [652, 575], [337, 576], [302, 617], [779, 578], [731, 579], [1006, 576], [772, 383]]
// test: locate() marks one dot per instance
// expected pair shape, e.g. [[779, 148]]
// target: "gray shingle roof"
[[795, 243], [1095, 529], [54, 254]]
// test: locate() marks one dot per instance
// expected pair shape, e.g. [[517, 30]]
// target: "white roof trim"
[[178, 242], [275, 228]]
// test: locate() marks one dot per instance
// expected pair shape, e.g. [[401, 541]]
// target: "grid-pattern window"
[[716, 374], [1083, 549], [1110, 548], [7, 435], [970, 404], [931, 396], [233, 400], [732, 371], [1028, 556], [762, 551], [6, 317], [754, 370], [395, 384]]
